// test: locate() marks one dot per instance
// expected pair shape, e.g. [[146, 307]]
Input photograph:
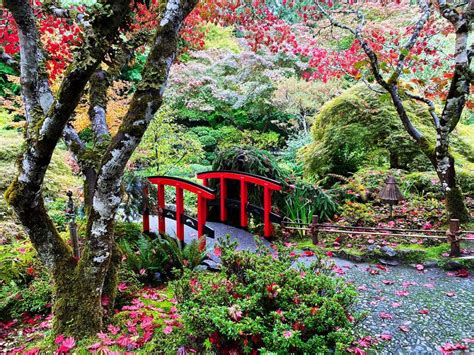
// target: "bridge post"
[[146, 211], [223, 196], [243, 203], [201, 217], [267, 209], [179, 213], [161, 206]]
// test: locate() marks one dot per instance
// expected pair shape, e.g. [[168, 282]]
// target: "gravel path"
[[419, 311]]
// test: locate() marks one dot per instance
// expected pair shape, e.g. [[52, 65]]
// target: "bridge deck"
[[244, 238]]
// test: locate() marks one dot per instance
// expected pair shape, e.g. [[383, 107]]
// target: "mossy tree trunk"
[[84, 289], [460, 17]]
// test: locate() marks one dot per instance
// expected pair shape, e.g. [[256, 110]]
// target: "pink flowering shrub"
[[263, 302]]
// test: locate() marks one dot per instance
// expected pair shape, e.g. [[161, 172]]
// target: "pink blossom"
[[287, 334], [385, 315], [122, 287], [404, 328], [66, 345], [168, 329], [402, 293], [338, 270], [386, 337], [419, 267], [59, 339], [113, 329], [427, 226]]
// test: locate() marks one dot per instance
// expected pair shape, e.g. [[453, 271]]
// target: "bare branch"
[[431, 107], [405, 51], [451, 14], [33, 78]]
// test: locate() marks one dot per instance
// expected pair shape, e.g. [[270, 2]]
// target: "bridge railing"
[[454, 235], [203, 193], [268, 185]]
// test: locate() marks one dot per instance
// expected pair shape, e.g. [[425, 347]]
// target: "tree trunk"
[[454, 198]]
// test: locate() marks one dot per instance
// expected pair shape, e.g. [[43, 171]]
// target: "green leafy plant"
[[259, 302], [305, 201], [156, 258]]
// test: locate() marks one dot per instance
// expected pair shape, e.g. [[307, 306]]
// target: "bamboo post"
[[314, 230], [453, 238], [71, 215]]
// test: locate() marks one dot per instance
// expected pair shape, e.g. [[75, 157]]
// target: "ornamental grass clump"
[[265, 302]]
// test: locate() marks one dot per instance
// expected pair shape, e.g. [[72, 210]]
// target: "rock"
[[430, 264], [211, 265], [409, 256], [389, 262], [372, 248], [453, 265], [201, 267], [387, 251]]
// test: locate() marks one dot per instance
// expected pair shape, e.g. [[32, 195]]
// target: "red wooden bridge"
[[207, 197]]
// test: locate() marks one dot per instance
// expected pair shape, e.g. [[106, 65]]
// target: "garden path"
[[415, 311]]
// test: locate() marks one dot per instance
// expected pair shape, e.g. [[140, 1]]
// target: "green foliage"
[[133, 72], [259, 302], [356, 213], [127, 231], [217, 87], [7, 87], [228, 136], [17, 298], [57, 212], [15, 257], [166, 144], [305, 201], [220, 37], [361, 127], [144, 256], [156, 258]]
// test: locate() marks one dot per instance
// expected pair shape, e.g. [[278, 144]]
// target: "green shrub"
[[155, 259], [15, 258], [305, 201], [263, 303], [17, 298], [361, 127], [127, 231]]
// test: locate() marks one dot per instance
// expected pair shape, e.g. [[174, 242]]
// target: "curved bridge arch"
[[268, 185]]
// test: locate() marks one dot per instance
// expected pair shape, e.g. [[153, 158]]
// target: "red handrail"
[[268, 185], [204, 193]]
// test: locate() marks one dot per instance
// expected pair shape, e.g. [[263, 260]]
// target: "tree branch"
[[389, 86], [145, 102], [425, 14], [36, 94], [431, 107], [24, 195]]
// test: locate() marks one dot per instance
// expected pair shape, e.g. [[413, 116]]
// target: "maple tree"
[[82, 285], [406, 61]]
